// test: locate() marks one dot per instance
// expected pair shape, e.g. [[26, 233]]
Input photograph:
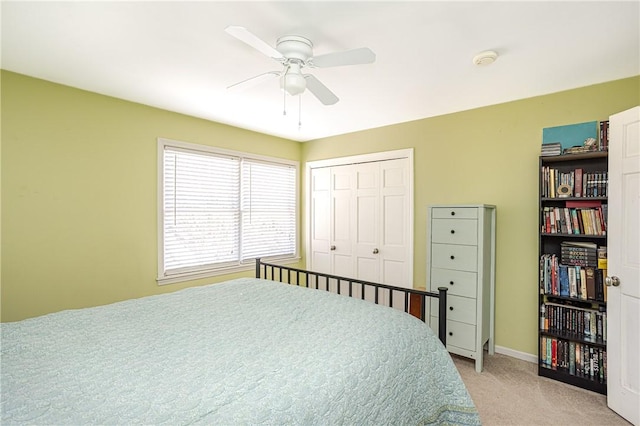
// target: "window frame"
[[240, 266]]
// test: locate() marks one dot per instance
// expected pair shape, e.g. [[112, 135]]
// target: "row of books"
[[584, 323], [576, 359], [579, 183], [574, 281], [574, 221]]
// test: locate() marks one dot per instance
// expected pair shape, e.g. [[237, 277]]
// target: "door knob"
[[333, 247], [375, 251], [612, 281]]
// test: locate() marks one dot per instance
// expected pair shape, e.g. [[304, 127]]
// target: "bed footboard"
[[316, 280]]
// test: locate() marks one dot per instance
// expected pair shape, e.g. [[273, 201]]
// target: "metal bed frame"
[[312, 279]]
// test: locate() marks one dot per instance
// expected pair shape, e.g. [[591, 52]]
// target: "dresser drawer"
[[460, 309], [449, 256], [459, 334], [454, 213], [454, 231], [459, 283]]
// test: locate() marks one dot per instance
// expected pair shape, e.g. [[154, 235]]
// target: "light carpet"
[[510, 392]]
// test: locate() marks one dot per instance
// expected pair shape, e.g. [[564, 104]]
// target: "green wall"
[[79, 193], [489, 155], [79, 188]]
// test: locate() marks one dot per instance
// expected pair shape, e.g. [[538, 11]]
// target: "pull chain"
[[299, 111], [284, 95]]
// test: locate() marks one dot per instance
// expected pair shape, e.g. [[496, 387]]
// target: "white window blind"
[[220, 211], [268, 210]]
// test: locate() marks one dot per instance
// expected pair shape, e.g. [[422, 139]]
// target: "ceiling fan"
[[296, 53]]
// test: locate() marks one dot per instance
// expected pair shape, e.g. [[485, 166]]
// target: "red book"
[[582, 204], [577, 190]]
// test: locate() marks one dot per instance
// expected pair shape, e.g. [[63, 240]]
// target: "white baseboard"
[[517, 354]]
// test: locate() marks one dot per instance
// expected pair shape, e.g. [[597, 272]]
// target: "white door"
[[360, 224], [396, 261], [367, 226], [341, 220], [367, 221], [623, 291], [330, 222], [394, 239], [320, 223]]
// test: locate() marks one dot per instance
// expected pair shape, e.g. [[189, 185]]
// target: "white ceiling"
[[177, 56]]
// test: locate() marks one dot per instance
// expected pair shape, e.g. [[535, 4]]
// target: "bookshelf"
[[572, 345]]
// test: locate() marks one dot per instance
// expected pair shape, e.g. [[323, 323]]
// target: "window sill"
[[190, 276]]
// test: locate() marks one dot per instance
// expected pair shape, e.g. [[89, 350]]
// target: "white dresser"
[[461, 256]]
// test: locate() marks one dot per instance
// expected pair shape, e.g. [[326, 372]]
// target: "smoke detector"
[[485, 58]]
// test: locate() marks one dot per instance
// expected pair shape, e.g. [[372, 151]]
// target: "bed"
[[246, 351]]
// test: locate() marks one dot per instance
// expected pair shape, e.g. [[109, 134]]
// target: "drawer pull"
[[450, 334], [453, 213], [453, 231], [450, 282], [451, 308], [452, 257], [333, 247]]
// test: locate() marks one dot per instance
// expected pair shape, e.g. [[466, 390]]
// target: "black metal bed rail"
[[310, 279]]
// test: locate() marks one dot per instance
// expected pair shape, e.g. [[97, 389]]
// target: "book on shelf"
[[604, 136], [552, 148], [578, 181], [591, 283], [579, 253], [602, 266]]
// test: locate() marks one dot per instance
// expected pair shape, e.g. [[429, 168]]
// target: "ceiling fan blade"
[[242, 34], [254, 81], [363, 55], [320, 91]]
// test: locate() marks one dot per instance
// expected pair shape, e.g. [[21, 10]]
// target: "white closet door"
[[395, 242], [341, 220], [394, 208], [367, 221], [366, 196], [320, 220], [360, 224]]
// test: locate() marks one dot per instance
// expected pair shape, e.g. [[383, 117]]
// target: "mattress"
[[247, 351]]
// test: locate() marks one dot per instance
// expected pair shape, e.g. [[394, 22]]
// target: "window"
[[220, 209]]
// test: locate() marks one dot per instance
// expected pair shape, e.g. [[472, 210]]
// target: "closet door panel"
[[366, 221], [320, 223], [341, 223], [394, 249]]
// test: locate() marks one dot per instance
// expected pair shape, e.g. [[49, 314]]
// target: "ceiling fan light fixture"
[[292, 81], [295, 53]]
